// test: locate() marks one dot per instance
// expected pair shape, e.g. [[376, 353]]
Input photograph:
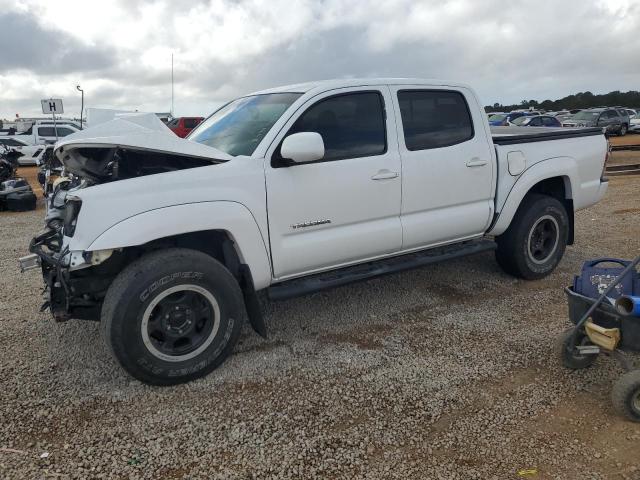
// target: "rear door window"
[[434, 118]]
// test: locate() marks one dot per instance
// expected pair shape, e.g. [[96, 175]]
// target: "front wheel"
[[172, 316], [535, 242]]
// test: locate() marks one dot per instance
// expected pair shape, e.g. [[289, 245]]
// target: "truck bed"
[[515, 135]]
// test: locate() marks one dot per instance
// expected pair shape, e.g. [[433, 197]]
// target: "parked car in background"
[[537, 121], [43, 133], [626, 111], [12, 142], [611, 121], [575, 110], [30, 153], [182, 126], [562, 115], [504, 119], [634, 123], [632, 113]]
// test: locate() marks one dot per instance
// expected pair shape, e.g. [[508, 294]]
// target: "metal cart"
[[600, 328]]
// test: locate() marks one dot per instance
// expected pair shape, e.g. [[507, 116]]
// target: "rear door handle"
[[476, 162], [385, 175]]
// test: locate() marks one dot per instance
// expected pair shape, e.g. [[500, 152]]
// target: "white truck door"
[[447, 165], [346, 206]]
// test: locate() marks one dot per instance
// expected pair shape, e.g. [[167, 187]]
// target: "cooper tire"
[[569, 358], [172, 316], [535, 242], [626, 395]]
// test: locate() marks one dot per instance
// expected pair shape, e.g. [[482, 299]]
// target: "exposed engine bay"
[[125, 148], [100, 165]]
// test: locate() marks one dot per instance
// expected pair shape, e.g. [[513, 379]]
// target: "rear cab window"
[[434, 118]]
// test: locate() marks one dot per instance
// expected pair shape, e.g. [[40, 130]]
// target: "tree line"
[[629, 99]]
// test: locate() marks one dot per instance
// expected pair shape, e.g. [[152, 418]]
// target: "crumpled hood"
[[138, 131]]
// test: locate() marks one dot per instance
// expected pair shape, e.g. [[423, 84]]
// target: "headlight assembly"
[[71, 212]]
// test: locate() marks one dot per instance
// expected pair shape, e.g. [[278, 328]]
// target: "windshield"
[[239, 126], [520, 120], [584, 115], [498, 117]]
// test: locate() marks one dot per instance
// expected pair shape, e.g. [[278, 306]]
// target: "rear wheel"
[[626, 395], [623, 130], [172, 316], [535, 242]]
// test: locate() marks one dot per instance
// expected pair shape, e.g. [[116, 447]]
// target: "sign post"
[[52, 106]]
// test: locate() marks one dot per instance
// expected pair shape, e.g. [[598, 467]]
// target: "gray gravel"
[[446, 372]]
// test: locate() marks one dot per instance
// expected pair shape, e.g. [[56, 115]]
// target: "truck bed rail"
[[515, 135]]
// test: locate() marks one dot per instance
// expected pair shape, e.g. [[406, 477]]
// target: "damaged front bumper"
[[67, 295], [45, 253]]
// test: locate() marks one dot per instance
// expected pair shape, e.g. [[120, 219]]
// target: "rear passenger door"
[[447, 166]]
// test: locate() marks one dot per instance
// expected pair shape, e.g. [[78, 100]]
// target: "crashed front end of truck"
[[76, 281]]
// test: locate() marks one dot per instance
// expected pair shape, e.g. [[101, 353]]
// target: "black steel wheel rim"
[[543, 239], [180, 323]]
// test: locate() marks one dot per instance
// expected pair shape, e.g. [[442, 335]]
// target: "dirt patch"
[[369, 338], [629, 139], [624, 211], [443, 372]]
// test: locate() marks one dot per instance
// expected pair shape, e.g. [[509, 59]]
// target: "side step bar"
[[364, 271]]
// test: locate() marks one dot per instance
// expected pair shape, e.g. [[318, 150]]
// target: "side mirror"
[[303, 147]]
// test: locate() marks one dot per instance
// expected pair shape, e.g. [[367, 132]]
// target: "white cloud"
[[120, 50]]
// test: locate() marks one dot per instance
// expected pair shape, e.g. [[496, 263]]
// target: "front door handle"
[[476, 162], [385, 175]]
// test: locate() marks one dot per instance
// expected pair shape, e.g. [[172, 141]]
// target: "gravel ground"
[[446, 372]]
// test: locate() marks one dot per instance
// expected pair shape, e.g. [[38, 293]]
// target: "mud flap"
[[252, 304]]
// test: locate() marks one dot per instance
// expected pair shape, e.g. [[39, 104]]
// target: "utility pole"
[[81, 104], [172, 85]]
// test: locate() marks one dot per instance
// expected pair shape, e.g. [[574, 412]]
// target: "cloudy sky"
[[120, 51]]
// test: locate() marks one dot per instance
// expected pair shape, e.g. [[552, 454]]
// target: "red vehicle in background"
[[182, 126]]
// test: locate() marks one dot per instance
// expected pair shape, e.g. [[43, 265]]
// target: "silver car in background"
[[611, 121]]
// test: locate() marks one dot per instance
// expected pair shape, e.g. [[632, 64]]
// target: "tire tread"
[[152, 262]]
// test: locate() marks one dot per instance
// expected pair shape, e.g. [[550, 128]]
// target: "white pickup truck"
[[43, 132], [291, 190]]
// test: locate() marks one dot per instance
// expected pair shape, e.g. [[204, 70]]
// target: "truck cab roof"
[[323, 85]]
